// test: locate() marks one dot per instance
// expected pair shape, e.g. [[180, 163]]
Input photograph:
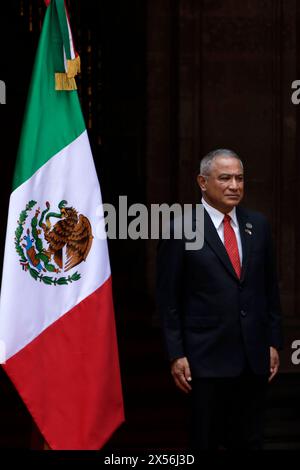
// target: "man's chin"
[[232, 201]]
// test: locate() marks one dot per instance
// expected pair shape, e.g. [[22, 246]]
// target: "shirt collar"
[[217, 216]]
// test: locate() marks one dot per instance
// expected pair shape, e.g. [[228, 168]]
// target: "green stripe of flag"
[[53, 119], [61, 12]]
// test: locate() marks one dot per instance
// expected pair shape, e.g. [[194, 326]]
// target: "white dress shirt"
[[217, 218]]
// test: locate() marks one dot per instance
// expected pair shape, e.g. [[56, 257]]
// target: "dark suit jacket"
[[218, 321]]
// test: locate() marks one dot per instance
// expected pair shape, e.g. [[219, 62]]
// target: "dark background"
[[162, 83]]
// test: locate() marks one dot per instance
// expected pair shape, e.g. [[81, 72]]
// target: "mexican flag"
[[56, 312]]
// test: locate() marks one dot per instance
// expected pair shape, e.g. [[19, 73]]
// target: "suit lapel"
[[246, 238], [212, 238]]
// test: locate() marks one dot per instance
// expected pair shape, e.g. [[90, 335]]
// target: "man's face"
[[223, 188]]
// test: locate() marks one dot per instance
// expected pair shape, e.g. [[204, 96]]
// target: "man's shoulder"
[[253, 216]]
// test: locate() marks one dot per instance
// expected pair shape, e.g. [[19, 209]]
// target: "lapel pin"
[[248, 225], [248, 231]]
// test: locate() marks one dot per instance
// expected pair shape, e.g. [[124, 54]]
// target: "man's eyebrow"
[[231, 174]]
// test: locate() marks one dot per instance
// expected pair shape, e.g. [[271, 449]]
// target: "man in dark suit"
[[220, 312]]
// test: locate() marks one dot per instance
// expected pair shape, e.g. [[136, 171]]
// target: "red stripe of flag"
[[74, 394]]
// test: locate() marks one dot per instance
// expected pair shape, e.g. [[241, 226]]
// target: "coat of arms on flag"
[[45, 244]]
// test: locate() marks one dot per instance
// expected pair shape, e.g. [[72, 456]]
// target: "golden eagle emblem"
[[73, 231], [68, 241]]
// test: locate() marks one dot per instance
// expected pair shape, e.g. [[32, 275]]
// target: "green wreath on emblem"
[[33, 256]]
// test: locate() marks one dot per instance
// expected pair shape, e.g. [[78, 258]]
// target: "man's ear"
[[201, 180]]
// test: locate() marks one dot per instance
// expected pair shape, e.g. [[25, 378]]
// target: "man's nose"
[[233, 183]]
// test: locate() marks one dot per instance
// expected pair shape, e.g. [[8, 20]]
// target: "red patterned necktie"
[[231, 245]]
